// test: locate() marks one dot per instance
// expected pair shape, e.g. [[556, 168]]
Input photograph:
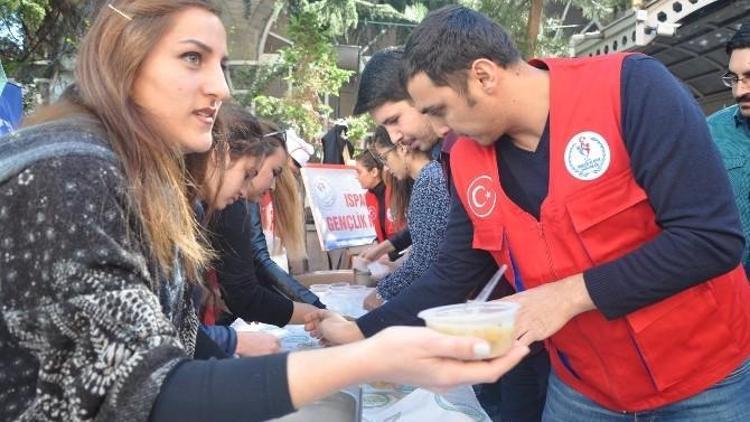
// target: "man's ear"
[[485, 73]]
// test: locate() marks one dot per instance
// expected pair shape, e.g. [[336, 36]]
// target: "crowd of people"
[[131, 232]]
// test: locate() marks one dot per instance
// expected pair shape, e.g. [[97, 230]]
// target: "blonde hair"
[[289, 213], [109, 59]]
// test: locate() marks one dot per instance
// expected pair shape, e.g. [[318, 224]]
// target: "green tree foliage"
[[516, 17], [309, 64], [36, 35], [359, 127], [29, 12], [338, 16], [311, 72]]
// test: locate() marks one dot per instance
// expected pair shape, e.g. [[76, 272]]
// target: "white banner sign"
[[338, 205]]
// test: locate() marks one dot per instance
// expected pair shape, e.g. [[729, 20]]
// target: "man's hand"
[[547, 308], [331, 328], [372, 301], [256, 344]]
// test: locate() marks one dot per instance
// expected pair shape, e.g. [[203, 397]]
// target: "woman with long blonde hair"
[[99, 249]]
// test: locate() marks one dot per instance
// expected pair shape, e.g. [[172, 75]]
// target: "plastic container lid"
[[471, 313]]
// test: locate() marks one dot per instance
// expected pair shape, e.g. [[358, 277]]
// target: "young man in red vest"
[[385, 99], [519, 397], [625, 260], [596, 181]]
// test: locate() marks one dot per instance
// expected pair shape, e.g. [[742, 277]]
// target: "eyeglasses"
[[280, 134], [731, 80], [381, 158]]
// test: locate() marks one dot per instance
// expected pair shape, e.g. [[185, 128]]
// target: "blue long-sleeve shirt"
[[675, 161], [731, 132]]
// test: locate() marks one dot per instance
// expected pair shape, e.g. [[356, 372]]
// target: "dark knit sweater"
[[87, 332]]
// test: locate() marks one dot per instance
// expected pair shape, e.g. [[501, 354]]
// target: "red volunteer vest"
[[594, 213], [383, 231]]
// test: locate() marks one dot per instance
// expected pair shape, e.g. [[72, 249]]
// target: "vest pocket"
[[681, 335], [566, 363], [612, 218], [488, 238]]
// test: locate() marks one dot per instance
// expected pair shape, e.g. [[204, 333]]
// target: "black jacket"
[[271, 275], [334, 142]]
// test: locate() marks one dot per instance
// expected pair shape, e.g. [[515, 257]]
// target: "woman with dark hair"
[[426, 215], [371, 176]]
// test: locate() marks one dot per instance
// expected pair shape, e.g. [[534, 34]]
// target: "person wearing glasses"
[[249, 161], [426, 214], [596, 181], [730, 128]]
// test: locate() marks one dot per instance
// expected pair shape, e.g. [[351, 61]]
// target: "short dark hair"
[[449, 39], [381, 81], [740, 39]]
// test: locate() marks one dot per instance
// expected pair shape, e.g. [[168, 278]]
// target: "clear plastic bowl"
[[319, 288], [340, 286], [494, 322]]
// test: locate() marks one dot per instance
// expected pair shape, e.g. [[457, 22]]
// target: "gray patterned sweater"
[[85, 333], [426, 218]]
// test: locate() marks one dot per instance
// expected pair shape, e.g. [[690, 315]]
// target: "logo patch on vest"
[[481, 197], [587, 156]]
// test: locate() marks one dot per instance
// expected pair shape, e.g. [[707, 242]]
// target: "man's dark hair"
[[381, 81], [449, 39], [741, 38]]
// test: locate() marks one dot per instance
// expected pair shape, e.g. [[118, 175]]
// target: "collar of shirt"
[[448, 142], [379, 190], [443, 147], [435, 151], [741, 121]]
